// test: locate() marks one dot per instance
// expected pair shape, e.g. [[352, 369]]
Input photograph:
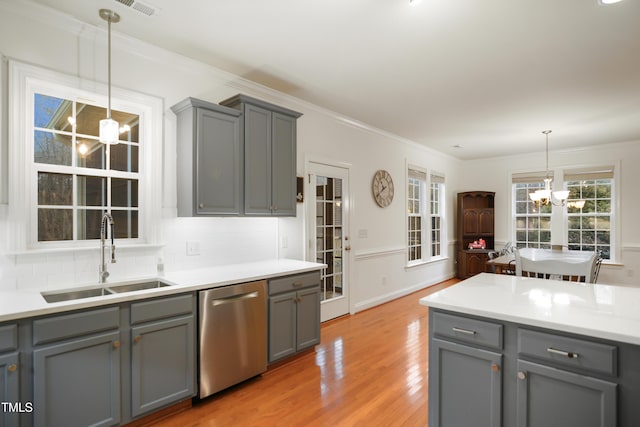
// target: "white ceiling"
[[485, 75]]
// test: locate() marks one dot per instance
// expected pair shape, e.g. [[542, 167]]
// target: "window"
[[532, 225], [64, 179], [416, 210], [79, 178], [585, 223], [437, 208], [425, 216], [589, 226]]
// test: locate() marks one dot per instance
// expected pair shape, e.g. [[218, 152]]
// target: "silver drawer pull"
[[297, 284], [563, 353], [463, 331]]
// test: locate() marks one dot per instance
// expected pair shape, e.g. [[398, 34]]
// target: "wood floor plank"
[[370, 369]]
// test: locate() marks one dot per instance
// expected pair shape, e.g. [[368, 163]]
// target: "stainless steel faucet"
[[107, 219]]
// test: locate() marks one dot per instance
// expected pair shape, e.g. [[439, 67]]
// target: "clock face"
[[382, 187]]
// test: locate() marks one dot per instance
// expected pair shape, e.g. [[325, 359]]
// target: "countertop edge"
[[21, 304]]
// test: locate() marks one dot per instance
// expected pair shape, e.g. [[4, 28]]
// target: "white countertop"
[[29, 303], [603, 311]]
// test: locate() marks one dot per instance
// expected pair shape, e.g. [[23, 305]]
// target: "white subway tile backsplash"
[[221, 241]]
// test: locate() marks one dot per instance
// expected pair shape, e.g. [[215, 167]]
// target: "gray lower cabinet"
[[209, 159], [465, 372], [548, 396], [108, 366], [76, 369], [9, 376], [556, 386], [485, 372], [294, 314], [162, 353], [474, 377], [269, 156]]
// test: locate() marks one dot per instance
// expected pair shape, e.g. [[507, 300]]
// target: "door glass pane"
[[329, 234]]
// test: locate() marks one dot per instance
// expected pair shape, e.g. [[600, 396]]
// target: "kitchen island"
[[514, 351]]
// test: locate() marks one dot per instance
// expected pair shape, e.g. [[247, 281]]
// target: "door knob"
[[12, 367], [522, 375]]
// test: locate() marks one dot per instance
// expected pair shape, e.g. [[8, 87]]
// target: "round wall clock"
[[382, 187]]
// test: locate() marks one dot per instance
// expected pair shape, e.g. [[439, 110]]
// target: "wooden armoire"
[[475, 222]]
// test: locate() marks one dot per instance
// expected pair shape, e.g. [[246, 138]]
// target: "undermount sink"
[[73, 294], [137, 286]]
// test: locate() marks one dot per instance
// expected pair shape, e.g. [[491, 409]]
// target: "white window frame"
[[425, 213], [24, 81], [559, 215], [439, 180], [421, 176]]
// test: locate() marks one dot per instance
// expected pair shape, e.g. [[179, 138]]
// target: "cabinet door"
[[77, 383], [282, 325], [162, 364], [257, 158], [308, 318], [283, 154], [9, 392], [465, 386], [485, 222], [470, 221], [476, 263], [552, 397], [219, 169]]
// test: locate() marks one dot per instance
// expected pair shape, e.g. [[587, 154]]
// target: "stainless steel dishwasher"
[[232, 335]]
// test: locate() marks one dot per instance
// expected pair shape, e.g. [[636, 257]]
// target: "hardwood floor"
[[370, 369]]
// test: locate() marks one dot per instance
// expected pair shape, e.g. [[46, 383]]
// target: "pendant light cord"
[[109, 71]]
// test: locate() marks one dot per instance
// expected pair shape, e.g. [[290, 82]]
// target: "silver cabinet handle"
[[463, 331], [568, 354]]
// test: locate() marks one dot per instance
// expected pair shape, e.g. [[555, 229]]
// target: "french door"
[[327, 208]]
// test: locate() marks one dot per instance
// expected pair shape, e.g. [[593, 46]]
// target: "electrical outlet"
[[193, 247]]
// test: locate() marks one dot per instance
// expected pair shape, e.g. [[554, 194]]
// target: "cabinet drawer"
[[295, 282], [8, 338], [75, 324], [162, 308], [568, 352], [464, 329]]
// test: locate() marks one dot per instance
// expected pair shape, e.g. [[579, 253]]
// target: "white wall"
[[31, 34], [495, 174]]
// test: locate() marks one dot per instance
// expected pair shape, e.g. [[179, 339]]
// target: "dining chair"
[[582, 271]]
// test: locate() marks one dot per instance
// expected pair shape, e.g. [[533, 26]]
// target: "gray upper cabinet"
[[269, 156], [210, 167]]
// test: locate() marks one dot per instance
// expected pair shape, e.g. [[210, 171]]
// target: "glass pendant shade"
[[109, 131]]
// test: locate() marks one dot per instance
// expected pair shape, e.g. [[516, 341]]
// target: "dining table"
[[506, 264]]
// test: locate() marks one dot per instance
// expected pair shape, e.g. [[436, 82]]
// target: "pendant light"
[[109, 128], [545, 196]]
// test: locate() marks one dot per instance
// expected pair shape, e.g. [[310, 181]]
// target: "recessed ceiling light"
[[414, 2], [608, 1]]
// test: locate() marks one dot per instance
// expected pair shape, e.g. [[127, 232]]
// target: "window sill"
[[420, 263]]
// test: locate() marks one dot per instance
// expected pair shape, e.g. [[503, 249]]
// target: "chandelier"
[[545, 196]]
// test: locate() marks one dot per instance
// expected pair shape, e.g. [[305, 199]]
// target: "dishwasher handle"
[[228, 300]]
